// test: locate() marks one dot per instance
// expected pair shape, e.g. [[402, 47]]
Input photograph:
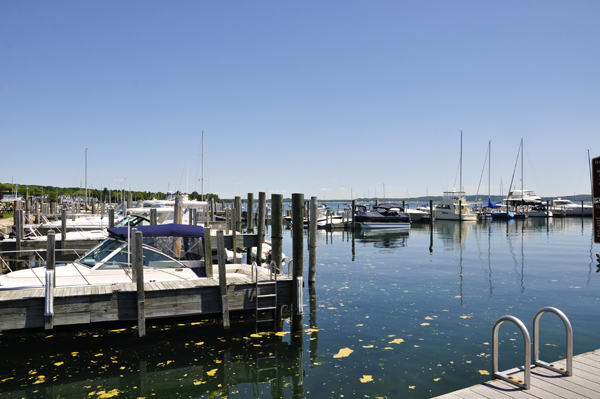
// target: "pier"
[[584, 383]]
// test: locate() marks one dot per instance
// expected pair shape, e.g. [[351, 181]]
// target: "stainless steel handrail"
[[527, 359], [536, 341]]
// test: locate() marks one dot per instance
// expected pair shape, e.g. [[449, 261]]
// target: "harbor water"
[[405, 314]]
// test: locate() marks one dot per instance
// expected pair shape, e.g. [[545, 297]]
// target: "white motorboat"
[[569, 208], [109, 262], [384, 216], [453, 206], [539, 211], [523, 197]]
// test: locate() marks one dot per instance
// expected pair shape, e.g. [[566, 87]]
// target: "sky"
[[334, 99]]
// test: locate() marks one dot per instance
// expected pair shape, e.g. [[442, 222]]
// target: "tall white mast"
[[202, 185], [86, 197]]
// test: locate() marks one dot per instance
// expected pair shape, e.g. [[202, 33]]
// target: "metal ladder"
[[526, 383], [266, 302]]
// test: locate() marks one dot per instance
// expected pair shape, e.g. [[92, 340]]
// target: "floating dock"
[[545, 384]]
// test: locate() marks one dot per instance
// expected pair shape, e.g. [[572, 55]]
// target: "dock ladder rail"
[[527, 341], [266, 295], [527, 361], [536, 342]]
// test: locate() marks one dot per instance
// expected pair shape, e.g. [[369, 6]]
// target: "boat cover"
[[161, 230], [491, 204]]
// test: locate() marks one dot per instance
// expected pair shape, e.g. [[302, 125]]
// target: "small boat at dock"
[[384, 216]]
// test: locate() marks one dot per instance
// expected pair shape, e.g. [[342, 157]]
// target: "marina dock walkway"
[[545, 384]]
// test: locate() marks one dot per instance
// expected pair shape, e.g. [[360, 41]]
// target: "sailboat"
[[493, 210], [453, 205], [530, 203]]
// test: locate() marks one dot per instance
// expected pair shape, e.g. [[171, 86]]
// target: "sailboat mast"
[[202, 185], [86, 197], [489, 168], [460, 187], [522, 193]]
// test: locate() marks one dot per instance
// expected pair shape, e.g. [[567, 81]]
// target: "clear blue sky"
[[326, 98]]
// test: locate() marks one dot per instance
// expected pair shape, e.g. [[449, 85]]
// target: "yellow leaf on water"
[[366, 378], [109, 394], [466, 317], [424, 324], [281, 333], [344, 352], [367, 346], [74, 353], [312, 330], [359, 325], [59, 363], [436, 379], [411, 387], [397, 341], [212, 372], [199, 343], [484, 372], [429, 318]]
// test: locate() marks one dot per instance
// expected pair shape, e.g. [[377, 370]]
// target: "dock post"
[[223, 279], [312, 243], [250, 226], [192, 216], [460, 210], [93, 206], [262, 202], [129, 200], [208, 265], [138, 277], [153, 218], [238, 214], [430, 212], [277, 230], [18, 220], [178, 218], [234, 234], [63, 228], [50, 282], [250, 214], [353, 212], [111, 217], [102, 210], [298, 254]]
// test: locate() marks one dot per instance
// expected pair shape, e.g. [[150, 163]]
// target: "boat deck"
[[545, 384]]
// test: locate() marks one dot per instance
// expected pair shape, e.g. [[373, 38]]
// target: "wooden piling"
[[153, 217], [353, 213], [18, 220], [50, 281], [234, 234], [208, 265], [111, 218], [223, 279], [431, 212], [238, 214], [63, 228], [129, 200], [178, 218], [298, 253], [277, 230], [137, 260], [312, 245], [250, 227], [262, 202]]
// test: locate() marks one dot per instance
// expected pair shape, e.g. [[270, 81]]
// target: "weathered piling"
[[18, 220], [223, 279], [353, 210], [298, 252], [234, 234], [250, 214], [238, 214], [137, 260], [129, 200], [111, 218], [262, 202], [63, 228], [50, 281], [153, 217], [208, 261], [277, 230], [312, 244]]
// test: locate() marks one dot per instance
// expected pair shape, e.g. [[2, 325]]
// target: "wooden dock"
[[118, 302], [545, 384]]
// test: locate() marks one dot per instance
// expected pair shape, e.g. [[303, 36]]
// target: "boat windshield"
[[152, 259], [99, 253], [133, 221]]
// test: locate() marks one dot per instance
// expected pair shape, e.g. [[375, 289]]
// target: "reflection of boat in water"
[[189, 358], [384, 239], [384, 216]]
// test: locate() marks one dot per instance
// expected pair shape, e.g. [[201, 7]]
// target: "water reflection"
[[187, 359]]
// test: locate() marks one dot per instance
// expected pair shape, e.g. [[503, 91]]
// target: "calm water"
[[395, 315]]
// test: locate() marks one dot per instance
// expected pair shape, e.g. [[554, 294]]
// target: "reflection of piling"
[[312, 244], [314, 333], [298, 253], [277, 230]]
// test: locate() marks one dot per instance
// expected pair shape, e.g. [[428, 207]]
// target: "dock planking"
[[118, 302], [545, 384]]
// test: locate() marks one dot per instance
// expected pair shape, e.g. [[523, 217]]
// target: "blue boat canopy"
[[491, 204], [161, 230]]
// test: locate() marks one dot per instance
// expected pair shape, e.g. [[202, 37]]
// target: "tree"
[[52, 197]]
